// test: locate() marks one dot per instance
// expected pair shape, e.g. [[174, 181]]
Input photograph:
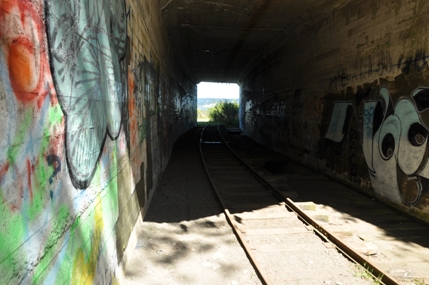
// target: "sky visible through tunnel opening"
[[218, 90], [209, 93]]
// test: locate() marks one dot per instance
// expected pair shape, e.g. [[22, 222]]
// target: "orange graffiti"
[[24, 46], [131, 82], [23, 71], [132, 111]]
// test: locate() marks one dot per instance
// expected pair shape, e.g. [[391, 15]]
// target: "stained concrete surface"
[[202, 251], [185, 239], [395, 243]]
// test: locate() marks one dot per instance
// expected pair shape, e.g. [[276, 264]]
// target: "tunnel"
[[94, 94]]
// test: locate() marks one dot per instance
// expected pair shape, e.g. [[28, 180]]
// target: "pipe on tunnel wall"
[[348, 95], [90, 107]]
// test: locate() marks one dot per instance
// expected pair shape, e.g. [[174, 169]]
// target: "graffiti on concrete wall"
[[31, 144], [137, 128], [28, 106], [87, 41], [76, 113], [393, 122], [41, 232]]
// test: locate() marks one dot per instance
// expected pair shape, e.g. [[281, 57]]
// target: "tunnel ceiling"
[[221, 40]]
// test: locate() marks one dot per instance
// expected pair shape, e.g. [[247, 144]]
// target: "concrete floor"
[[185, 238], [395, 243]]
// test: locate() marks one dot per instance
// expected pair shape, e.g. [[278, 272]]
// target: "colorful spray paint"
[[73, 124]]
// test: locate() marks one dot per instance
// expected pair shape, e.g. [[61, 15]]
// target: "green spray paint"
[[12, 234], [52, 247], [23, 130], [55, 115]]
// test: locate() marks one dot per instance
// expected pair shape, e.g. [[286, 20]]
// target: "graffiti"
[[135, 130], [67, 117], [149, 93], [85, 267], [368, 119], [28, 104], [22, 31], [417, 63], [394, 139], [138, 107], [54, 161], [342, 79], [338, 127], [32, 123], [87, 41]]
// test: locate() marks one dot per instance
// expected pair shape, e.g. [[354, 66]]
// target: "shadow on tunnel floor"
[[184, 192], [302, 185]]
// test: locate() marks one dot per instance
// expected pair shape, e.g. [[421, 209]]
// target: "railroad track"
[[285, 244]]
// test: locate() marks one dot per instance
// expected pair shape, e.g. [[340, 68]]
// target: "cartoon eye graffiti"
[[394, 142], [421, 98], [388, 146], [417, 134], [412, 142]]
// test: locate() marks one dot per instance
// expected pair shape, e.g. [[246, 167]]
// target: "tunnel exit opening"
[[218, 102]]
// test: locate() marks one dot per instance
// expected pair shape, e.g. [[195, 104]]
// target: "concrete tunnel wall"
[[349, 96], [91, 102]]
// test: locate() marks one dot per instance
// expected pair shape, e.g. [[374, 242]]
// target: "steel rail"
[[261, 274], [369, 266]]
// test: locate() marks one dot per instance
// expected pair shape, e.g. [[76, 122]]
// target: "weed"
[[419, 282], [365, 272]]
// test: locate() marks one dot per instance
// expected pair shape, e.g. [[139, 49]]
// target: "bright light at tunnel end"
[[218, 90]]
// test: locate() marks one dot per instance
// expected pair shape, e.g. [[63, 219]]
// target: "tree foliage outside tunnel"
[[224, 113]]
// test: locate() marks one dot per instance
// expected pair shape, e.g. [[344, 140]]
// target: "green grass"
[[365, 272], [420, 282]]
